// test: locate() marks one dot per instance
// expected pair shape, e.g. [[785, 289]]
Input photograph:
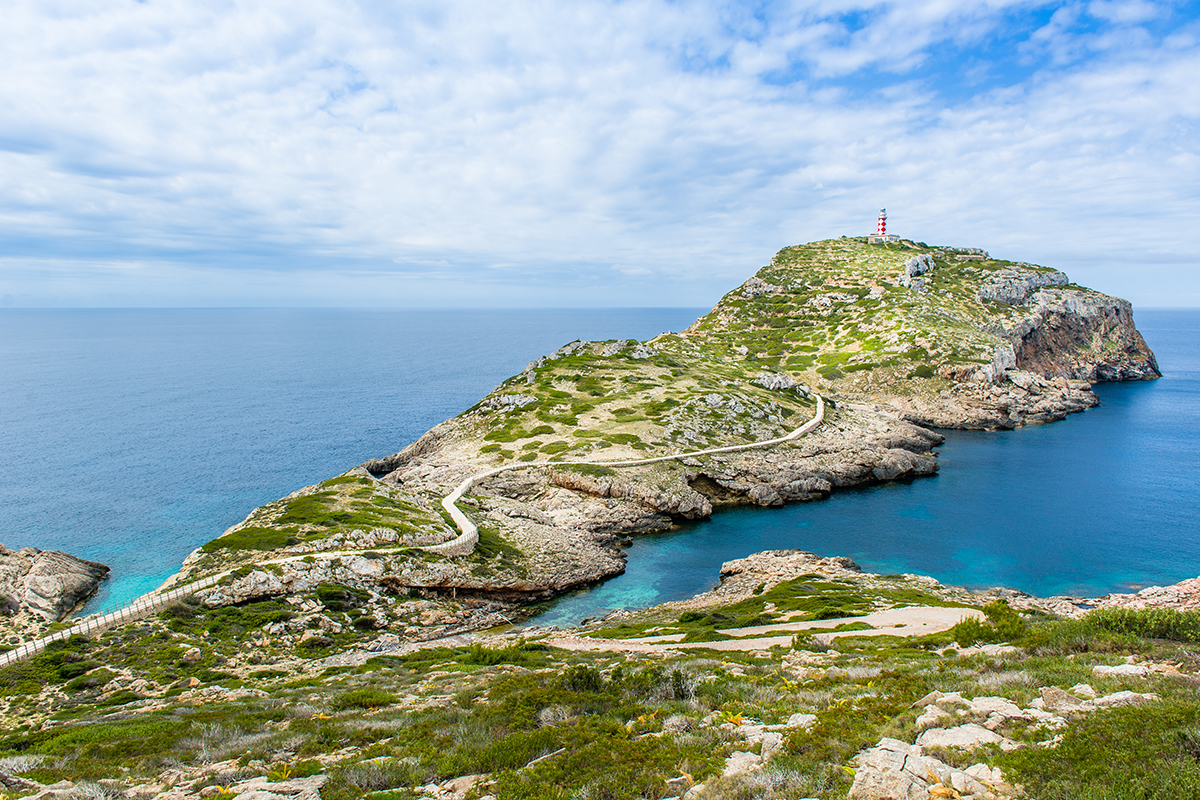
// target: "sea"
[[131, 437]]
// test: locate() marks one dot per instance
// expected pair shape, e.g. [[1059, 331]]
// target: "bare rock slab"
[[893, 770], [47, 583]]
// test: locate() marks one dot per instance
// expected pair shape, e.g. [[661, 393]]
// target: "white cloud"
[[328, 151]]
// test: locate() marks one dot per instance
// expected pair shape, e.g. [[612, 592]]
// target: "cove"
[[1103, 501]]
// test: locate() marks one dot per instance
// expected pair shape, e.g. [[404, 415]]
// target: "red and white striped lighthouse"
[[882, 231]]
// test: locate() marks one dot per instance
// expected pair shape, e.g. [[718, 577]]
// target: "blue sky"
[[547, 153]]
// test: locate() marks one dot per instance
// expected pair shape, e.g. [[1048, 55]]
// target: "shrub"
[[581, 678], [340, 598], [1006, 626], [253, 538], [364, 698], [1150, 623]]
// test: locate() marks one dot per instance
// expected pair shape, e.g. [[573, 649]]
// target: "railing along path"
[[463, 544]]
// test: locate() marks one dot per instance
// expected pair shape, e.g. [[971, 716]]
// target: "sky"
[[464, 153]]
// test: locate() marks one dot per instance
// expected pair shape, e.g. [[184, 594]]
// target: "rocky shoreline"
[[899, 339]]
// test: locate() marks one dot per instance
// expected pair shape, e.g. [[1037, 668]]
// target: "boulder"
[[294, 789], [1121, 699], [804, 721], [893, 770], [964, 736], [1121, 671], [47, 583], [740, 762]]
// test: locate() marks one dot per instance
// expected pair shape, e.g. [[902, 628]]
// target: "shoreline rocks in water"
[[47, 583]]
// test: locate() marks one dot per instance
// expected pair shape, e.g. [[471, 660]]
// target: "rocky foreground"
[[282, 699]]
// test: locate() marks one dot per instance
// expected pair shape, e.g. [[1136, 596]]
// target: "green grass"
[[1122, 754], [253, 537]]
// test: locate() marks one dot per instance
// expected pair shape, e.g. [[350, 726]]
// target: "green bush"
[[60, 662], [92, 680], [519, 654], [336, 597], [582, 678], [1150, 623], [364, 698], [922, 371], [972, 630], [1006, 626], [253, 538]]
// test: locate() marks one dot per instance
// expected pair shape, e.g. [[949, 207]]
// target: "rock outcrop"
[[897, 339], [46, 583], [1083, 336]]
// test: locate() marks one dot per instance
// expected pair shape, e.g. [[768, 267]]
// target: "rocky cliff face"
[[46, 583], [1081, 336]]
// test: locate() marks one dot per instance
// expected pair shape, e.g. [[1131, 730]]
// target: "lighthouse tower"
[[881, 235]]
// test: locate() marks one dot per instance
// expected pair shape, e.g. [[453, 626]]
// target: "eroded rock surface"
[[47, 583]]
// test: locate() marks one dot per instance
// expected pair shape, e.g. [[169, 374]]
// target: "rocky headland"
[[349, 645], [899, 339]]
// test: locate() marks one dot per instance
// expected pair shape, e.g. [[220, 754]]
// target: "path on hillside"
[[463, 544], [903, 622]]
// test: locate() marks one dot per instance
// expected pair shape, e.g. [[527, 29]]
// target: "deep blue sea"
[[133, 436]]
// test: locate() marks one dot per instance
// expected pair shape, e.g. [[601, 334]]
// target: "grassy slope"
[[398, 723]]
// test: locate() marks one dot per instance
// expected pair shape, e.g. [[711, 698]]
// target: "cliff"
[[898, 338]]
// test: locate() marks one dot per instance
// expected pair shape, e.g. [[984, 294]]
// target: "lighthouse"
[[881, 235]]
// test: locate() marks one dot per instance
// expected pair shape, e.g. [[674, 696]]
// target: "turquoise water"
[[133, 436], [1103, 501]]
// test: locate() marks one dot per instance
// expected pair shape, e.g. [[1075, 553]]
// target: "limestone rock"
[[1121, 671], [48, 583], [1058, 701], [965, 736], [1013, 286], [804, 721], [265, 789], [740, 762], [893, 770], [1121, 699]]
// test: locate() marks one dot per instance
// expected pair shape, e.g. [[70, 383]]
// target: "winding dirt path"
[[465, 542], [909, 621]]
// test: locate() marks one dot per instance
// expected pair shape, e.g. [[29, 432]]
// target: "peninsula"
[[587, 446], [355, 639]]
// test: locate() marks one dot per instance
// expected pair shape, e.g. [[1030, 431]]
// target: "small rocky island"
[[354, 640]]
